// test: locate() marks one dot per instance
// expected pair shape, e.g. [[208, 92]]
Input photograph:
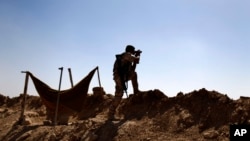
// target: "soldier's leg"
[[135, 82], [117, 99]]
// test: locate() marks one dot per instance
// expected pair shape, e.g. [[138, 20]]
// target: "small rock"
[[24, 136], [47, 122], [212, 134], [98, 91], [26, 121], [52, 137], [31, 114]]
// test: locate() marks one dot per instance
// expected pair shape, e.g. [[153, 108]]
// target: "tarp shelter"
[[71, 98]]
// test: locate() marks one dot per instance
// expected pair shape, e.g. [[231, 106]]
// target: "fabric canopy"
[[71, 98]]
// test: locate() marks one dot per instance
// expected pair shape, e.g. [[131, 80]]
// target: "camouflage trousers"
[[119, 92]]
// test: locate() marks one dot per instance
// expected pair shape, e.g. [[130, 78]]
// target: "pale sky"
[[187, 44]]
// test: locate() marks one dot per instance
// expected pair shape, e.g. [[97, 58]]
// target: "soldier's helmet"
[[130, 48]]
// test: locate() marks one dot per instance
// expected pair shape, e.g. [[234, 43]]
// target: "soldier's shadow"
[[109, 130]]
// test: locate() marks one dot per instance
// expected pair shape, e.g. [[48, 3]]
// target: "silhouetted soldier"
[[123, 71]]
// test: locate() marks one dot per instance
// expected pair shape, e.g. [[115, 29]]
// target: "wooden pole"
[[99, 80], [70, 77], [21, 119], [58, 97]]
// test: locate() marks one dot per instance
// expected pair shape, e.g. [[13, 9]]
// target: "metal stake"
[[58, 96], [21, 119], [70, 77], [99, 80]]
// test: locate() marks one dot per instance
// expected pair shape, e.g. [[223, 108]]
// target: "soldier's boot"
[[113, 106]]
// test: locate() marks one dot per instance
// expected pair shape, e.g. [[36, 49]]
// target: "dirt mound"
[[150, 115]]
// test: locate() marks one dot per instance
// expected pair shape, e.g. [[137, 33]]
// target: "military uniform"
[[129, 59]]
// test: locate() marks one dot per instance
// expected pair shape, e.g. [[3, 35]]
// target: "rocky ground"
[[149, 116]]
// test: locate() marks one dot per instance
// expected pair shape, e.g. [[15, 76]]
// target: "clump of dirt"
[[150, 115]]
